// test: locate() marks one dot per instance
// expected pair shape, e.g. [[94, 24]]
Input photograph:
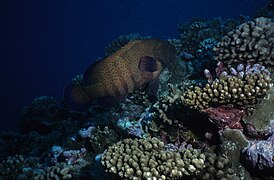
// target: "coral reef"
[[237, 87], [225, 117], [262, 114], [177, 44], [58, 171], [10, 143], [206, 45], [102, 138], [131, 128], [147, 159], [167, 123], [233, 142], [251, 42], [199, 125], [199, 36], [77, 80], [16, 166], [194, 46], [42, 106], [69, 156], [260, 154], [40, 116]]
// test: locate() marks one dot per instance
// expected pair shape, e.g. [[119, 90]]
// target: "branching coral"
[[77, 80], [59, 171], [17, 166], [251, 42], [195, 34], [102, 138], [67, 165], [167, 122], [150, 159], [40, 115], [147, 159], [238, 87], [12, 165], [42, 106]]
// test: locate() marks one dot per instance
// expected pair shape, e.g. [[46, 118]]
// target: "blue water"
[[46, 43]]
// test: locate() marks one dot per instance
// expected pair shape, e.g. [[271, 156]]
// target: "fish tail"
[[76, 97]]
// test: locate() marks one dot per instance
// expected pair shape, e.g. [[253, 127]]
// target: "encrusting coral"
[[251, 42], [263, 114], [260, 154]]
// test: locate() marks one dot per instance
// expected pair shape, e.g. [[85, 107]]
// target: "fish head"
[[165, 53]]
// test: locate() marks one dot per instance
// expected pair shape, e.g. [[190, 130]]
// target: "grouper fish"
[[136, 65]]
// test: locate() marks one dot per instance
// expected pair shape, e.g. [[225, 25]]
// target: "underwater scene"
[[156, 90]]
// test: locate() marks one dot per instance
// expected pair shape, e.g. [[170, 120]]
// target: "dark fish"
[[107, 82]]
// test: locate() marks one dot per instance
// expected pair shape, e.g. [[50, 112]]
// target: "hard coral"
[[263, 113], [13, 166], [78, 80], [238, 87], [42, 106], [195, 34], [251, 42], [58, 171], [40, 115], [167, 122], [102, 138], [150, 159], [147, 159]]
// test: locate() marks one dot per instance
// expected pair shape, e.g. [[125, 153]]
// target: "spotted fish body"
[[135, 65]]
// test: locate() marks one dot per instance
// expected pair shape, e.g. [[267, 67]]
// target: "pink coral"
[[225, 117]]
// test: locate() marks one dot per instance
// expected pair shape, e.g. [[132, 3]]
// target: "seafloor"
[[212, 117]]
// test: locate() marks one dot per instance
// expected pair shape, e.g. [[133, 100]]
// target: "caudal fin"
[[76, 98]]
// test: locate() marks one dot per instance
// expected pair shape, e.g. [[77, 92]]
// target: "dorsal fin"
[[148, 63]]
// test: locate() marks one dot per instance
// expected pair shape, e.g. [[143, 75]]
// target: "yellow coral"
[[147, 159], [233, 90]]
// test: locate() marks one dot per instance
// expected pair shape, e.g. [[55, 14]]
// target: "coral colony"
[[212, 116]]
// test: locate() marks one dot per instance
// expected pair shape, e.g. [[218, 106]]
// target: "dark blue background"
[[46, 43]]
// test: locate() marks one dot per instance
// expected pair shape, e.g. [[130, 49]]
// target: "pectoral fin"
[[148, 64]]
